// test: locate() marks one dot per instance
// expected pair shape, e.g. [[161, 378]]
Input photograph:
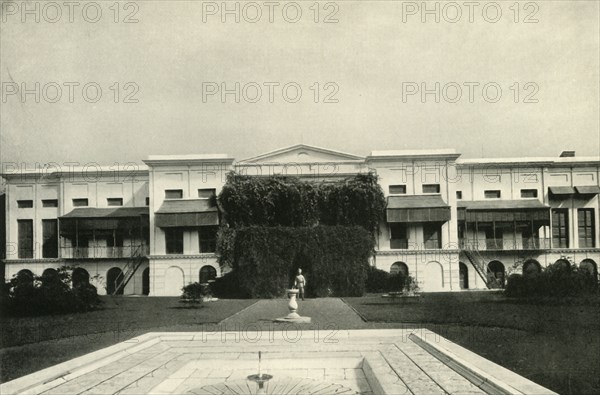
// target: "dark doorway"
[[463, 276], [114, 278], [146, 281]]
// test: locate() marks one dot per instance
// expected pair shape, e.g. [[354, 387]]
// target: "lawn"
[[28, 344], [554, 343]]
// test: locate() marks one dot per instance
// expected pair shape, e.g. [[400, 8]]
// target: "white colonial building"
[[451, 224]]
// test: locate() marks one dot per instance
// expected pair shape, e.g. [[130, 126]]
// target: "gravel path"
[[324, 312]]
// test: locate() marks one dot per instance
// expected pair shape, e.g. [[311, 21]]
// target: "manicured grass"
[[28, 344], [554, 342]]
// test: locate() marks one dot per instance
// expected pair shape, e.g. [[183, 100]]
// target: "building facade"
[[452, 224]]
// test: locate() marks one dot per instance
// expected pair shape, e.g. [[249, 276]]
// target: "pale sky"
[[371, 56]]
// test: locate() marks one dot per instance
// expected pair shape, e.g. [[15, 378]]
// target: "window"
[[80, 202], [495, 194], [114, 240], [431, 188], [432, 235], [173, 194], [174, 240], [206, 193], [560, 228], [50, 238], [114, 201], [25, 230], [529, 193], [586, 228], [397, 189], [147, 201], [458, 195], [398, 236], [49, 203], [207, 273], [25, 203], [208, 238]]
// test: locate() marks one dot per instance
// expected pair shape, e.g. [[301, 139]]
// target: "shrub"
[[228, 286], [556, 280], [49, 294], [194, 292], [396, 282], [377, 280]]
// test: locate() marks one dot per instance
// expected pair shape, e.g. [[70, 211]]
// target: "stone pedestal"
[[293, 316]]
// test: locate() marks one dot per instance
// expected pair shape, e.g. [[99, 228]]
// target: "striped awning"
[[503, 210], [424, 208], [558, 191], [588, 190], [108, 218], [186, 213]]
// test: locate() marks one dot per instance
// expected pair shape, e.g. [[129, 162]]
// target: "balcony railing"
[[504, 244], [398, 244], [103, 252]]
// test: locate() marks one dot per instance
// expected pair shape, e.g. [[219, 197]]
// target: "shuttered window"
[[398, 236], [80, 202], [24, 203], [431, 188], [208, 238], [25, 230], [50, 238], [50, 203], [173, 194], [397, 189], [586, 228], [114, 201], [560, 228], [174, 240], [432, 235]]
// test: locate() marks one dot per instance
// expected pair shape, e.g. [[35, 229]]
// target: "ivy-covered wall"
[[334, 259], [288, 201], [275, 225]]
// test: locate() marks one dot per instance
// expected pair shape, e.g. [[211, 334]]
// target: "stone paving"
[[308, 361]]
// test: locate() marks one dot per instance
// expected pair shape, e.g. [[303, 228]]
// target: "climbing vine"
[[288, 201]]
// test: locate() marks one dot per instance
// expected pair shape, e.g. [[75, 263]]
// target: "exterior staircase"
[[132, 265], [478, 262]]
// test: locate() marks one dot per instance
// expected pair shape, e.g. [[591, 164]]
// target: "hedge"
[[554, 281], [381, 281], [49, 294], [334, 260]]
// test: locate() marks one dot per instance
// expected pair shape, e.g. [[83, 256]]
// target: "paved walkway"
[[324, 313]]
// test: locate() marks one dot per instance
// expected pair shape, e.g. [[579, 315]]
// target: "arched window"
[[25, 277], [562, 264], [496, 274], [207, 273], [531, 267], [80, 277], [49, 276], [590, 266], [399, 267]]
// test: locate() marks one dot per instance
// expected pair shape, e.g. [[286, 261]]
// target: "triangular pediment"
[[303, 153]]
